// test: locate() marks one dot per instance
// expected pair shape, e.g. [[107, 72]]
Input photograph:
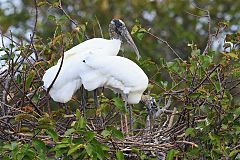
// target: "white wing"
[[65, 93], [69, 80], [67, 83], [117, 73], [98, 46], [120, 68]]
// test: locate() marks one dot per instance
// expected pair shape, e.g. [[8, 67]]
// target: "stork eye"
[[84, 61]]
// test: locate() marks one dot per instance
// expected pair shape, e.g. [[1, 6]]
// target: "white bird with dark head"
[[68, 80]]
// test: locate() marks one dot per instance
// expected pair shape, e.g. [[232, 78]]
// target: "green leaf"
[[89, 149], [80, 155], [25, 116], [217, 85], [224, 126], [117, 133], [31, 153], [162, 61], [45, 122], [89, 135], [233, 55], [81, 123], [234, 153], [62, 19], [11, 146], [22, 151], [61, 152], [196, 53], [98, 150], [69, 132], [190, 131], [82, 27], [39, 145], [111, 131], [237, 111], [4, 57], [214, 137], [66, 140], [11, 45], [75, 148], [120, 155], [29, 80], [51, 17], [106, 133], [19, 79], [237, 130], [164, 84], [78, 114], [60, 146], [135, 28], [52, 133], [119, 104], [171, 154], [56, 4], [39, 4], [195, 95], [6, 158], [141, 32]]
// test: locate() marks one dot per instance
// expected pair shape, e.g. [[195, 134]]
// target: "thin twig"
[[166, 44], [172, 117], [60, 7], [60, 67], [35, 28], [191, 143], [207, 15], [99, 26], [193, 90]]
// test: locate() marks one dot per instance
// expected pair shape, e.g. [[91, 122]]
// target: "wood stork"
[[68, 80], [116, 73]]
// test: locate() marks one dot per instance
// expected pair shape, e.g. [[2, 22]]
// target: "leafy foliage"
[[202, 121]]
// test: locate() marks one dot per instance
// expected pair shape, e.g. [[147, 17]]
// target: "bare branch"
[[166, 44], [55, 78], [99, 26]]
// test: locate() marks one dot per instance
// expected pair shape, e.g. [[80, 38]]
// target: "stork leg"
[[149, 115], [124, 126], [125, 115], [84, 103], [130, 117], [95, 98], [98, 111], [129, 108]]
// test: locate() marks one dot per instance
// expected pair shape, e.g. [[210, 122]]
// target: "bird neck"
[[114, 33]]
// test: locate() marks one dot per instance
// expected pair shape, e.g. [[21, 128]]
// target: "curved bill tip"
[[135, 50], [129, 39]]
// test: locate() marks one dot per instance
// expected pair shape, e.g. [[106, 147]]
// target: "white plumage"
[[69, 79], [105, 47], [117, 73]]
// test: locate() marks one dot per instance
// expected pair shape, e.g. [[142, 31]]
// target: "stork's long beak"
[[129, 39]]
